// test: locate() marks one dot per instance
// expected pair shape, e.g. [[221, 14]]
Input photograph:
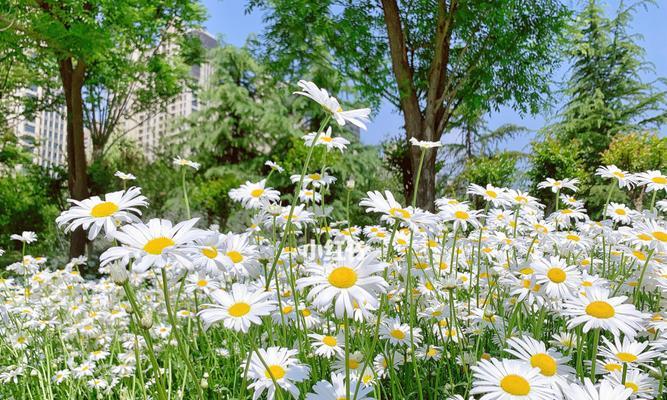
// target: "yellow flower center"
[[287, 309], [661, 236], [353, 364], [545, 363], [315, 177], [600, 309], [235, 256], [210, 252], [257, 192], [573, 237], [306, 312], [661, 180], [157, 245], [611, 367], [239, 309], [276, 371], [526, 271], [104, 209], [202, 283], [327, 139], [556, 275], [567, 211], [620, 211], [515, 385], [399, 212], [632, 386], [626, 357], [330, 341], [397, 333], [343, 277], [491, 194], [641, 256], [431, 352], [586, 284], [461, 215], [618, 174]]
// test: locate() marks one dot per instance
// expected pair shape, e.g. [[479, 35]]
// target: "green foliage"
[[637, 152], [498, 169], [550, 158]]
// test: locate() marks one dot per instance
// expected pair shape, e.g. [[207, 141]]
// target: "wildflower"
[[251, 195], [336, 389], [25, 237], [399, 334], [506, 379], [326, 140], [605, 391], [274, 166], [238, 309], [557, 185], [93, 213], [624, 178], [653, 180], [123, 176], [182, 162], [356, 117], [424, 144], [328, 345], [276, 364]]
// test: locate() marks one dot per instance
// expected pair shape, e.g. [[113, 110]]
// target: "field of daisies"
[[504, 302]]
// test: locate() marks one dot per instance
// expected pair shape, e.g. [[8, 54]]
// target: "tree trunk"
[[77, 181]]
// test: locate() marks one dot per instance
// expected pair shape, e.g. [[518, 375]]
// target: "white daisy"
[[356, 117], [251, 195], [276, 364], [239, 308]]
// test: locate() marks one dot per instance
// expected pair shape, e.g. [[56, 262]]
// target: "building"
[[45, 135], [151, 130]]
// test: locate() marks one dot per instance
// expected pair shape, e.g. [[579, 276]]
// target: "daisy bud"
[[203, 383], [119, 274], [146, 321], [350, 184]]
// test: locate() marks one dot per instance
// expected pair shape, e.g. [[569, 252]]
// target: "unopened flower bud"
[[146, 321], [203, 383], [350, 184], [118, 274]]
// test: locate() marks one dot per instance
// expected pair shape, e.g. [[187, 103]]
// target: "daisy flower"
[[326, 140], [653, 180], [200, 282], [274, 166], [356, 117], [157, 243], [239, 308], [619, 213], [206, 253], [604, 391], [534, 352], [509, 380], [558, 279], [460, 214], [182, 162], [123, 176], [489, 193], [336, 389], [424, 144], [25, 237], [597, 310], [276, 366], [393, 210], [624, 178], [557, 185], [239, 258], [627, 351], [251, 195], [642, 385], [328, 345], [399, 334], [350, 280], [316, 179], [93, 213]]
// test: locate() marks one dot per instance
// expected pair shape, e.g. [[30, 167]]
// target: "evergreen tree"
[[606, 94]]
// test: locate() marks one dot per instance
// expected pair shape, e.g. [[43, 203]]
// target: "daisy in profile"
[[346, 282], [336, 389], [619, 213], [556, 185], [551, 363], [357, 117], [124, 177], [399, 334], [424, 144], [157, 243], [604, 391], [276, 366], [93, 213], [182, 162], [509, 380], [489, 193], [628, 351], [328, 345], [558, 280], [392, 210], [597, 310], [251, 195], [25, 237], [642, 385], [274, 166], [325, 139], [624, 178], [239, 308], [653, 180], [315, 179]]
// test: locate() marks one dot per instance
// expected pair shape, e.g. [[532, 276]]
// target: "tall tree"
[[79, 36], [425, 57], [606, 92]]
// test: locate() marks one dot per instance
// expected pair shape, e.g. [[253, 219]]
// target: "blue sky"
[[228, 19]]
